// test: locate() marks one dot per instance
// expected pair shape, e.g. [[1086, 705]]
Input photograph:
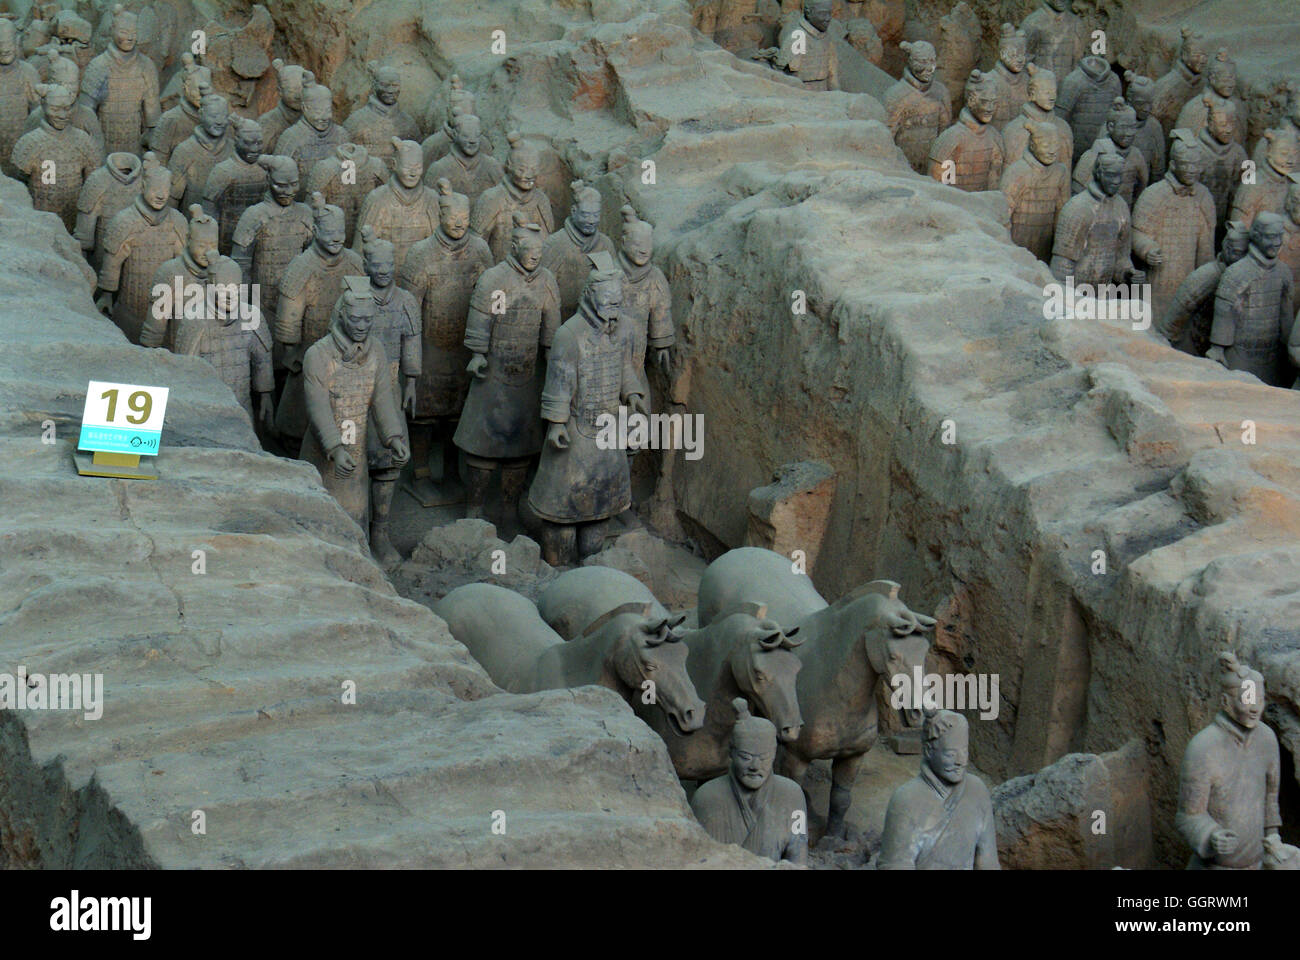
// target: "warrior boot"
[[591, 537], [513, 478], [476, 491], [559, 544]]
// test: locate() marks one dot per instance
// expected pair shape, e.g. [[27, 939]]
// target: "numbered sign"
[[123, 418]]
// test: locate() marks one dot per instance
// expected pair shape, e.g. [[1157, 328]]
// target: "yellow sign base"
[[122, 466]]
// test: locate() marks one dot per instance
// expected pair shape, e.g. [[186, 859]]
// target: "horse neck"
[[719, 715], [848, 678]]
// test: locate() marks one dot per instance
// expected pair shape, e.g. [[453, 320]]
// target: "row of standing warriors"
[[478, 282]]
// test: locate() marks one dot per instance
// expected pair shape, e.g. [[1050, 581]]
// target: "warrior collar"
[[910, 77], [382, 294], [207, 141], [974, 125], [599, 325], [1208, 141], [1007, 73], [464, 159], [291, 115], [528, 275], [1257, 255], [199, 273], [1231, 727], [519, 196], [1180, 189], [123, 58], [809, 28], [349, 350], [936, 783], [325, 258], [1184, 71], [631, 270], [127, 171], [381, 108], [152, 216], [1097, 192], [448, 242], [406, 196], [190, 111], [584, 244], [1034, 112], [750, 802]]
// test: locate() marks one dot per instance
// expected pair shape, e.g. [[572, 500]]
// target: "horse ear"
[[674, 621], [790, 644]]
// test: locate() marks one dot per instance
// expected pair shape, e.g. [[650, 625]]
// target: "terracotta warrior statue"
[[64, 71], [647, 301], [567, 251], [315, 136], [1290, 123], [397, 329], [345, 382], [814, 60], [311, 285], [1009, 76], [1173, 222], [581, 482], [241, 352], [403, 210], [346, 179], [1290, 252], [1228, 791], [1056, 38], [1140, 93], [943, 818], [1186, 324], [291, 80], [750, 805], [493, 214], [1224, 156], [156, 29], [1085, 98], [272, 232], [513, 314], [111, 188], [466, 166], [972, 143], [1222, 79], [1039, 108], [71, 151], [18, 97], [441, 272], [379, 121], [1254, 308], [189, 269], [121, 86], [1093, 240], [1186, 79], [438, 144], [1037, 187], [1268, 192], [917, 106], [194, 159], [237, 182], [139, 240], [175, 125], [1120, 136]]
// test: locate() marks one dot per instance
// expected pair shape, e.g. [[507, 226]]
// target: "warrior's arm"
[[110, 271], [412, 358], [1192, 821], [288, 318], [151, 106], [561, 383], [154, 330], [388, 417], [1272, 780], [87, 220], [986, 847], [1223, 329], [1124, 262], [320, 413], [660, 333], [1293, 343], [1286, 309], [897, 849]]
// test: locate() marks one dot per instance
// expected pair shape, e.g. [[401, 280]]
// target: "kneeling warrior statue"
[[582, 480]]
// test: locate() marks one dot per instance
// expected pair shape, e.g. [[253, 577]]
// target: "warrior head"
[[1121, 123], [248, 139], [408, 163], [1042, 87], [638, 238], [453, 210], [1013, 48], [603, 292], [1044, 141], [1292, 203], [318, 106], [1267, 234], [357, 315], [8, 42], [386, 82], [203, 234], [379, 256], [523, 163], [155, 182], [1140, 94], [753, 747], [125, 28], [292, 79], [1193, 52], [1220, 118], [62, 70], [225, 277], [214, 115], [817, 13], [329, 230], [981, 95], [56, 104], [1223, 74], [946, 750], [281, 177], [1186, 158], [526, 240], [466, 131], [1236, 241], [1241, 690], [458, 97], [196, 80], [1283, 149], [1108, 171], [921, 59], [585, 212]]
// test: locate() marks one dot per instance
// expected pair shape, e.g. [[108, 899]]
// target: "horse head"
[[893, 635], [645, 648], [764, 666]]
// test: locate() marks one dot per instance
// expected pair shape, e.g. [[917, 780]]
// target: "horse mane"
[[641, 607], [882, 588], [751, 607]]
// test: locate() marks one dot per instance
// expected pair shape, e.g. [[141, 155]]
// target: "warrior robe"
[[1290, 252], [160, 331], [1085, 99], [761, 821], [308, 146], [588, 374], [1253, 314], [373, 126], [1180, 221], [565, 254], [122, 88], [274, 122], [1186, 324], [501, 419], [82, 117], [441, 273], [1151, 141], [1222, 171], [1036, 193], [193, 161], [174, 128], [137, 242], [1093, 240], [1266, 195], [818, 66], [397, 329], [647, 314], [975, 150], [493, 214], [1230, 778], [402, 217], [438, 144], [934, 825], [917, 113], [1013, 94], [1172, 91], [1195, 115]]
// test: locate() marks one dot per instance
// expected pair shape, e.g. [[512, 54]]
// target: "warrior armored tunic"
[[975, 150], [1253, 315], [647, 313], [1134, 178], [346, 382], [1013, 94], [232, 187], [159, 331], [1290, 252], [308, 290], [1055, 39], [441, 273], [1151, 141], [174, 128], [107, 191], [917, 113], [1179, 220], [242, 357], [1266, 194], [1186, 324], [934, 825], [1223, 166], [1085, 98], [493, 216], [471, 176], [818, 66], [397, 329], [1172, 91], [308, 146], [501, 419], [193, 160], [1093, 239], [1195, 114], [373, 126], [589, 373], [364, 174], [1015, 135], [137, 242], [759, 821], [274, 122], [74, 157], [565, 254], [17, 98], [266, 239], [123, 87], [1036, 194], [1230, 780], [399, 215]]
